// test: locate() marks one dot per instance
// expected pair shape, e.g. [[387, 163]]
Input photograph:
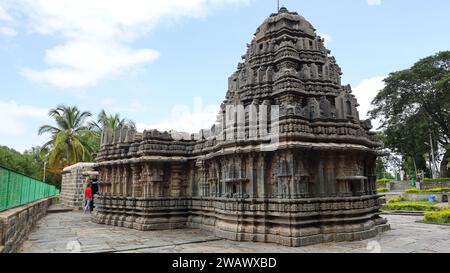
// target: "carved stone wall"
[[74, 182]]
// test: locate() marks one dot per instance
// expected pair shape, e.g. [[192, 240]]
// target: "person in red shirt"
[[88, 198]]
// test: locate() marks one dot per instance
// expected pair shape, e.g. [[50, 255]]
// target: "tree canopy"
[[109, 121], [30, 163], [69, 143], [75, 137], [414, 105]]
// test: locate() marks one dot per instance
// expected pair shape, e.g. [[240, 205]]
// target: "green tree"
[[105, 121], [38, 156], [110, 121], [30, 163], [414, 104], [69, 138], [21, 163]]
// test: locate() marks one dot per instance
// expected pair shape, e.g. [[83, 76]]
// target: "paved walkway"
[[64, 232]]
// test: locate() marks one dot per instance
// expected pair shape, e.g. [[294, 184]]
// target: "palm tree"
[[69, 139], [110, 121]]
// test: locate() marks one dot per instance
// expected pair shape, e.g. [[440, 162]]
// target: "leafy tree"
[[414, 104], [11, 159], [38, 155], [381, 170], [69, 142], [29, 163], [110, 121]]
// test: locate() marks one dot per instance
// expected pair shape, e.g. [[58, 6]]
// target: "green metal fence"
[[17, 189]]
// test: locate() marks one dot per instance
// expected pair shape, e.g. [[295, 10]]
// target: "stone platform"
[[292, 222], [56, 231]]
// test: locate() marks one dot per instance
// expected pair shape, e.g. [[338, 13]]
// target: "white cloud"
[[183, 119], [328, 39], [107, 102], [111, 107], [14, 117], [98, 35], [365, 92], [3, 15], [80, 63], [7, 31], [191, 123], [373, 2], [5, 19]]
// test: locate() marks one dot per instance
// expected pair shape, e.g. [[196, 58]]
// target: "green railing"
[[17, 189]]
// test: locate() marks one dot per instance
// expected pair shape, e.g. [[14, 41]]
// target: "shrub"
[[411, 206], [438, 190], [439, 180], [435, 190], [382, 190], [396, 200], [383, 180], [439, 217]]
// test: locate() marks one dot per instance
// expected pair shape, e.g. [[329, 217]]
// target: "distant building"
[[74, 181]]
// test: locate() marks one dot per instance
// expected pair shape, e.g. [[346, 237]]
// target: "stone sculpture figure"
[[325, 107], [306, 74]]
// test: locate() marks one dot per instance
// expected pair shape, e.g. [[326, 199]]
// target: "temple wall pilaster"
[[136, 174]]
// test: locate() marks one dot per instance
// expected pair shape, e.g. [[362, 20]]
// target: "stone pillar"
[[343, 187], [130, 182], [125, 180], [261, 177], [321, 177], [290, 169], [194, 189], [253, 121], [120, 180], [330, 175], [240, 122], [213, 178], [156, 182], [102, 179], [252, 176], [240, 168], [220, 189], [176, 180], [304, 187], [224, 176], [105, 180], [358, 186], [111, 180], [147, 185], [202, 179], [115, 179], [371, 163], [136, 177]]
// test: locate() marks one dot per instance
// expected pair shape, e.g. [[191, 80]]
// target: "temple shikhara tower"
[[288, 161]]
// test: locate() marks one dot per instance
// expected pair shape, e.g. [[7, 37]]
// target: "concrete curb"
[[404, 213]]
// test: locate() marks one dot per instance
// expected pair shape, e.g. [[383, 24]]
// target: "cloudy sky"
[[165, 63]]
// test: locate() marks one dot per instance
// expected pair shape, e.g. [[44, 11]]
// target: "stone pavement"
[[63, 232]]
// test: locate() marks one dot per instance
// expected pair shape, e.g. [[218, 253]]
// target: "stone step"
[[404, 213], [59, 209]]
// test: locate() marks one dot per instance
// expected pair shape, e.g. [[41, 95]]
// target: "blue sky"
[[165, 63]]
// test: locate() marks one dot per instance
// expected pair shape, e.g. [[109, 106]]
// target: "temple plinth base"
[[295, 222]]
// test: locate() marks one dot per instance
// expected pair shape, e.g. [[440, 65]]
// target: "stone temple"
[[288, 161]]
